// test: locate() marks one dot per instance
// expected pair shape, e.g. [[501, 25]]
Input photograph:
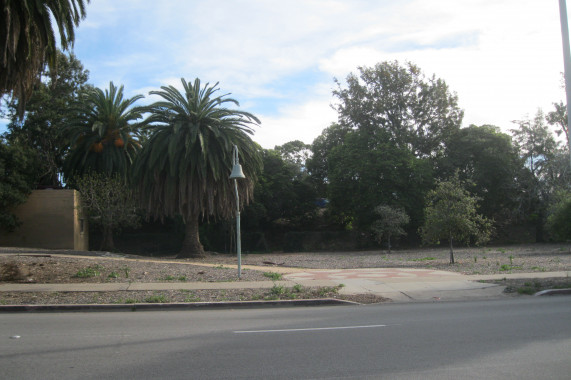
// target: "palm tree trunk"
[[451, 251], [191, 246], [107, 244]]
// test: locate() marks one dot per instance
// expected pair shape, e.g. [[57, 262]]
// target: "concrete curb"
[[553, 292], [172, 306]]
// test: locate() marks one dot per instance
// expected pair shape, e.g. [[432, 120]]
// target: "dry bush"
[[10, 272]]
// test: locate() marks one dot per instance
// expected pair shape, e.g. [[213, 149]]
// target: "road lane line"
[[308, 329]]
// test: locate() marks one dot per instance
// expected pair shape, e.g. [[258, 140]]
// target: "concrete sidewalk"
[[397, 284]]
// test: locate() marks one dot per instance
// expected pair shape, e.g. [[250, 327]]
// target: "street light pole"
[[567, 64], [237, 173]]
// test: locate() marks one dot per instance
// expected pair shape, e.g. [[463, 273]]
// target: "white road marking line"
[[308, 329]]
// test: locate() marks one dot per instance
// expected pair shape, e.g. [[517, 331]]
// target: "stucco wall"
[[49, 219]]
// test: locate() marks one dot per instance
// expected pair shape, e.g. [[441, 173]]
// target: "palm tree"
[[183, 168], [103, 136], [28, 42]]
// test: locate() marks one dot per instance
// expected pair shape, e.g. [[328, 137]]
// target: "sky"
[[503, 58]]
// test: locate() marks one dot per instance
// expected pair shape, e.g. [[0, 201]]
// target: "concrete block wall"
[[50, 219]]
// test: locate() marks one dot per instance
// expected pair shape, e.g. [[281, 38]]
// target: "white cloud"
[[278, 58], [299, 122]]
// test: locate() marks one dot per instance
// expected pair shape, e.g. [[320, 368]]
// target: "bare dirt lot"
[[41, 266]]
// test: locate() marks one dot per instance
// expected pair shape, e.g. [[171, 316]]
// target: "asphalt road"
[[520, 338]]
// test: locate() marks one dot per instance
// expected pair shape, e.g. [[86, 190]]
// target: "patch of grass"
[[113, 275], [92, 271], [526, 290], [277, 290], [298, 288], [167, 278], [273, 276], [130, 300], [539, 269], [181, 278], [506, 267], [191, 297], [157, 298], [326, 290], [424, 259]]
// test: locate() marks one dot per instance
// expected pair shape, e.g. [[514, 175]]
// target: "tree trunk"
[[451, 251], [389, 241], [191, 246], [107, 244]]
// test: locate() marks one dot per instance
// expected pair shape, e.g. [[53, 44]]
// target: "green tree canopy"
[[17, 179], [366, 171], [390, 223], [48, 111], [417, 113], [28, 41], [281, 194], [183, 168], [451, 213], [103, 134], [318, 164], [487, 158]]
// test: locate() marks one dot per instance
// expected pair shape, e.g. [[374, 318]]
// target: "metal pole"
[[567, 64], [238, 240]]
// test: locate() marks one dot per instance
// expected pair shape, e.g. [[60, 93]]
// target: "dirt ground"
[[19, 265]]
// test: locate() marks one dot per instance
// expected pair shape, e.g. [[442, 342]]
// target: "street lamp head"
[[237, 172]]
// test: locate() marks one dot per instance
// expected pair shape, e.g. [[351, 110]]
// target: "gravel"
[[44, 266]]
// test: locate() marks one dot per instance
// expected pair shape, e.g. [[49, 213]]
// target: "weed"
[[327, 290], [88, 272], [113, 275], [501, 250], [274, 276], [506, 267], [526, 290], [484, 257], [181, 278], [157, 298], [424, 259], [192, 298], [511, 260], [298, 288], [130, 300], [475, 259], [539, 269], [167, 278], [277, 290], [126, 270]]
